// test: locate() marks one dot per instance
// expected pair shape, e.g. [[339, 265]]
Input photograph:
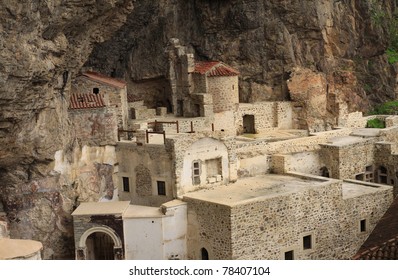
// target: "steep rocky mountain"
[[282, 48]]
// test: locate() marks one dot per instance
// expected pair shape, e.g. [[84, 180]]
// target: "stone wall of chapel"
[[113, 97], [225, 93], [267, 229]]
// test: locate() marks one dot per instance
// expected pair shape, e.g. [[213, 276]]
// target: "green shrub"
[[375, 123], [388, 108]]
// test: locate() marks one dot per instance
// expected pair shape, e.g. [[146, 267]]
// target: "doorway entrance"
[[248, 124], [100, 246]]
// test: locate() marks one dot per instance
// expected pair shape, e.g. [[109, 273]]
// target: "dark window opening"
[[132, 114], [249, 124], [126, 184], [161, 187], [359, 177], [363, 225], [95, 90], [325, 172], [307, 242], [204, 253], [289, 255], [180, 108], [197, 110]]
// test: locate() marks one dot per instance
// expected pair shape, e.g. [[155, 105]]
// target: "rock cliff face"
[[277, 45], [266, 40], [43, 44]]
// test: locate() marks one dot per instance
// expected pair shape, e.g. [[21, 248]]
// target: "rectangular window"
[[126, 184], [363, 225], [289, 255], [196, 173], [369, 173], [161, 187], [307, 242]]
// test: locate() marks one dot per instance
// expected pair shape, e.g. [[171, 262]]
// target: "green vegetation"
[[388, 108], [375, 123], [380, 17]]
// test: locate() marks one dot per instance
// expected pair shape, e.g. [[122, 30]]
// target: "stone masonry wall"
[[267, 115], [264, 115], [209, 228], [225, 92], [305, 162], [266, 229], [158, 166], [347, 161]]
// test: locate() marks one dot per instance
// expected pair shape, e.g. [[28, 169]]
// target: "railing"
[[155, 123], [155, 132]]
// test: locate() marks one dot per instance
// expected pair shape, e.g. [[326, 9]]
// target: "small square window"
[[161, 187], [289, 255], [363, 225], [126, 184], [95, 90], [307, 242]]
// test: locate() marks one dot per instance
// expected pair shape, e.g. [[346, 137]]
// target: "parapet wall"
[[297, 145]]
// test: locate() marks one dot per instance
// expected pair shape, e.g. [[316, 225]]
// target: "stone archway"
[[99, 236]]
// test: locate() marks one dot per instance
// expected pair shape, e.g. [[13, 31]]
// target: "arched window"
[[204, 253], [325, 172]]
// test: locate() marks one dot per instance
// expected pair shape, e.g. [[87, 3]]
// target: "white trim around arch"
[[103, 229]]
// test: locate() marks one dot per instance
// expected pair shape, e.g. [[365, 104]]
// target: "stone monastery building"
[[206, 177]]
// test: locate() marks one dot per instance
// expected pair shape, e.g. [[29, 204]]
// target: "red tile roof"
[[86, 101], [133, 98], [214, 69], [101, 78], [382, 242]]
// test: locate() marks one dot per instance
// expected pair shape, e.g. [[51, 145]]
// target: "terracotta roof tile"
[[382, 242], [214, 69], [133, 98], [86, 101], [98, 77]]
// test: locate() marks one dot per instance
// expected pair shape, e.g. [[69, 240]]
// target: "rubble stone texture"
[[45, 43]]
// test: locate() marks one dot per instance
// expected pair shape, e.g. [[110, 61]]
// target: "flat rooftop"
[[342, 141], [101, 208], [137, 211], [252, 188], [353, 188]]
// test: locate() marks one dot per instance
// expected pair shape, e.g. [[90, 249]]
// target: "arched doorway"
[[100, 243], [204, 254], [99, 246]]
